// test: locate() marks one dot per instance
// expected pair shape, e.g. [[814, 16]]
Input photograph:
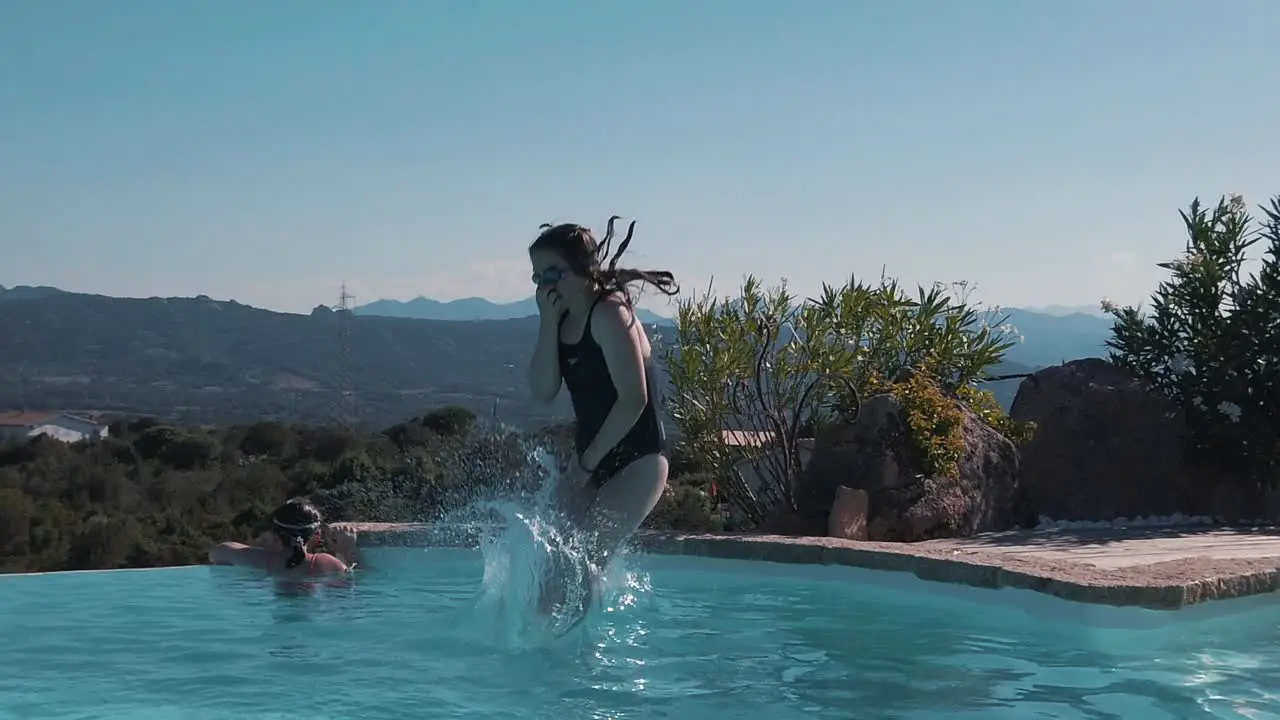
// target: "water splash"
[[495, 488], [526, 561], [539, 584]]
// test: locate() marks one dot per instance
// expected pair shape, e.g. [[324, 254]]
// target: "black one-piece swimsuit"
[[591, 390]]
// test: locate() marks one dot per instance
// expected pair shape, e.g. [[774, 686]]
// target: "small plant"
[[935, 423], [934, 417], [984, 404], [687, 505]]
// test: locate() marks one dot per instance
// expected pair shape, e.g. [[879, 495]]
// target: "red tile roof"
[[25, 419]]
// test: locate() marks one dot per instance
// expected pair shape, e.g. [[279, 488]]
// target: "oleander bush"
[[1210, 338], [779, 368]]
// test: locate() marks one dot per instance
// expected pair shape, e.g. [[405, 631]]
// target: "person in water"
[[295, 526], [591, 342]]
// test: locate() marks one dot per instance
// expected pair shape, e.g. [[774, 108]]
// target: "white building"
[[761, 458], [57, 425]]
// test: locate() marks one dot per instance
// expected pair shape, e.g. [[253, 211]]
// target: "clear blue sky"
[[267, 150]]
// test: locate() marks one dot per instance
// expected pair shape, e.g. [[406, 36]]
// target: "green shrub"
[[265, 438], [687, 506], [1211, 338], [934, 416], [450, 421], [783, 368], [984, 404], [935, 423]]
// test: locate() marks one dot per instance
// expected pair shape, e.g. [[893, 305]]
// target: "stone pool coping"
[[1167, 585]]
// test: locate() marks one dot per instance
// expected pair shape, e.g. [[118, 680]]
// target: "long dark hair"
[[577, 246], [295, 523]]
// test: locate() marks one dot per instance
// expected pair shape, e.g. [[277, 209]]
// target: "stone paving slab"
[[1161, 569], [1119, 548]]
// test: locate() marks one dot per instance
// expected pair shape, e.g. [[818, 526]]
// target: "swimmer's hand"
[[577, 475], [572, 482], [344, 543]]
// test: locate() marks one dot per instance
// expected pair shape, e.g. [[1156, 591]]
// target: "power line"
[[346, 402]]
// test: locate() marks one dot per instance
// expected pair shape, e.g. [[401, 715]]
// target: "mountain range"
[[199, 360], [28, 292], [1059, 310], [1049, 336], [473, 308]]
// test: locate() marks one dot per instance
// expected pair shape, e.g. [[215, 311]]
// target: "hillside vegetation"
[[201, 361], [154, 494], [196, 361]]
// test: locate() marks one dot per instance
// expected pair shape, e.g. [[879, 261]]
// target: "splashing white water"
[[539, 583]]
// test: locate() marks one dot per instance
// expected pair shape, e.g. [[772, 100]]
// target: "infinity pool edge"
[[1168, 585]]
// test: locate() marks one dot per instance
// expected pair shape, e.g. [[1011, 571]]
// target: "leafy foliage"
[[151, 494], [934, 414], [687, 506], [780, 368], [934, 420], [984, 404], [1211, 340]]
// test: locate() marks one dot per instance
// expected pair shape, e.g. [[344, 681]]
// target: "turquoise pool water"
[[677, 638]]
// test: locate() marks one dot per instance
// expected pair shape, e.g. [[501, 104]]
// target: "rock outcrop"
[[848, 519], [1106, 444], [903, 503]]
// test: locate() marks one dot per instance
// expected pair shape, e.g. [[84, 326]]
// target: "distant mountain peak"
[[1065, 310], [468, 309], [29, 292]]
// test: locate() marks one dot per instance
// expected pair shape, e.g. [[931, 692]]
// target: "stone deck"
[[1157, 568]]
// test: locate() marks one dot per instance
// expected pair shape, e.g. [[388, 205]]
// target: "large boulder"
[[1106, 445], [903, 503]]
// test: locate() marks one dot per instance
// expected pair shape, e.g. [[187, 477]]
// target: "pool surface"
[[684, 638]]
